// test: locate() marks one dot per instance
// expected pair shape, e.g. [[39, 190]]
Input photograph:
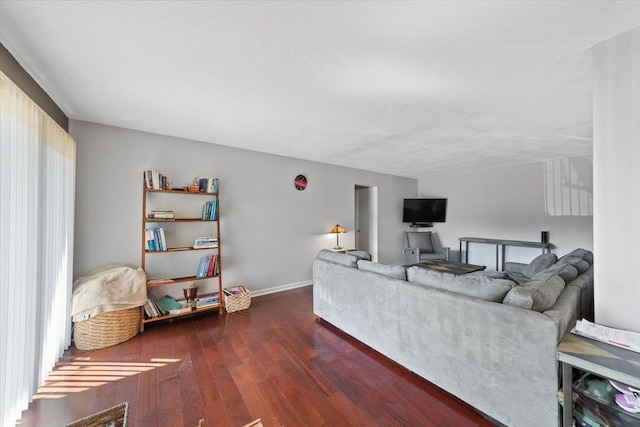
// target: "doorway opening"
[[366, 220]]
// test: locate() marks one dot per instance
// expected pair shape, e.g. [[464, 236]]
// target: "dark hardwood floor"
[[275, 361]]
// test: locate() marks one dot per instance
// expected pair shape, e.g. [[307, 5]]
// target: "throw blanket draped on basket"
[[109, 288]]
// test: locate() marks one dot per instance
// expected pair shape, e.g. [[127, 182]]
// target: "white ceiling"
[[405, 88]]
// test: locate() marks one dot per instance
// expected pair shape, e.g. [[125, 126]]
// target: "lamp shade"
[[337, 229]]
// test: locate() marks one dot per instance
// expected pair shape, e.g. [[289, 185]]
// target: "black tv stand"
[[422, 224]]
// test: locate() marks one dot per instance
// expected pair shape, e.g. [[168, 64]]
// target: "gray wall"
[[270, 233], [517, 203], [616, 132]]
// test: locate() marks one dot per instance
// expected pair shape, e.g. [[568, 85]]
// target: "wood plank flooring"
[[275, 361]]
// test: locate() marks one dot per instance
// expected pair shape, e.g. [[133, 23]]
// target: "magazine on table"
[[618, 337]]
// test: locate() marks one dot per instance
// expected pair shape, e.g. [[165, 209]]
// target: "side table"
[[602, 359]]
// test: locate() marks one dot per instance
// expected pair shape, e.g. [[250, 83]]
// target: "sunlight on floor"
[[81, 373]]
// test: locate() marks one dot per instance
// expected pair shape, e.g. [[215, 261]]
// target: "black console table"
[[500, 244]]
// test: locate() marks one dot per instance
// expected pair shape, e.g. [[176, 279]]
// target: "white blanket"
[[109, 288]]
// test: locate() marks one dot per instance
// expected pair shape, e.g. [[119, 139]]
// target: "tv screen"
[[425, 211]]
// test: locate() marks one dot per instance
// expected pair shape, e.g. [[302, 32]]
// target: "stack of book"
[[208, 266], [208, 300], [161, 215], [205, 242], [210, 210], [152, 308], [208, 185], [155, 240], [154, 180]]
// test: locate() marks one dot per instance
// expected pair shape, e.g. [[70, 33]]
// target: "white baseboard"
[[281, 288]]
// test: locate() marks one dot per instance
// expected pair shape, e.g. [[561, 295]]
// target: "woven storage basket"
[[116, 415], [107, 329], [237, 302]]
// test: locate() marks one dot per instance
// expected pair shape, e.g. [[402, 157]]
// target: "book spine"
[[212, 264], [214, 209], [163, 240], [151, 240], [156, 239], [200, 272]]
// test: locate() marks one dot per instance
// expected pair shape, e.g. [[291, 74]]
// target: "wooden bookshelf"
[[214, 251]]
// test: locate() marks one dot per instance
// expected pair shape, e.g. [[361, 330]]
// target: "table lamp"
[[338, 230]]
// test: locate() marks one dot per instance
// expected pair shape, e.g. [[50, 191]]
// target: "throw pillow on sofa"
[[394, 271], [539, 264], [582, 254], [539, 294], [479, 287], [580, 264], [566, 271]]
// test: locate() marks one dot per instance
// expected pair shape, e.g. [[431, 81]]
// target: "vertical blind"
[[37, 186]]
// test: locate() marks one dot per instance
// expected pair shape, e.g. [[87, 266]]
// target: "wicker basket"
[[116, 415], [237, 302], [107, 329]]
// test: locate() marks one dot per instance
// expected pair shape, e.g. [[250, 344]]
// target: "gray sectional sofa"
[[484, 337]]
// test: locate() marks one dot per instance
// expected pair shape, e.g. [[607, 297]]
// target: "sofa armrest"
[[411, 255], [514, 267]]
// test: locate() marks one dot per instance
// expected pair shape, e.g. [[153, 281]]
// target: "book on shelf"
[[208, 300], [210, 210], [180, 310], [201, 272], [151, 309], [161, 215], [204, 299], [208, 185], [207, 266], [156, 304], [155, 239], [168, 303], [205, 242], [154, 180]]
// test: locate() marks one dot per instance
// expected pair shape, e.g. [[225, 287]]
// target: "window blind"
[[37, 189]]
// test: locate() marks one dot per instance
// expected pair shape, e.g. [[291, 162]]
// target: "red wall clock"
[[300, 182]]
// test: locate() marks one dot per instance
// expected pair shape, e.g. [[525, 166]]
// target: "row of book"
[[205, 242], [208, 266], [155, 240], [161, 215], [210, 210], [155, 307], [208, 185], [154, 180]]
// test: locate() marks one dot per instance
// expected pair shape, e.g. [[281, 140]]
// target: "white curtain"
[[37, 186]]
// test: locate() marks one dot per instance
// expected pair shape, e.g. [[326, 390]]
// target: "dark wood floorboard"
[[275, 361]]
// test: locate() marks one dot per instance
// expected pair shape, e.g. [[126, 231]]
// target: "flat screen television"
[[424, 212]]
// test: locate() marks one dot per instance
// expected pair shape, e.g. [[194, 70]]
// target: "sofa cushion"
[[518, 277], [479, 287], [339, 258], [539, 294], [582, 254], [491, 274], [395, 271], [566, 271], [580, 264], [360, 254], [539, 263], [421, 240]]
